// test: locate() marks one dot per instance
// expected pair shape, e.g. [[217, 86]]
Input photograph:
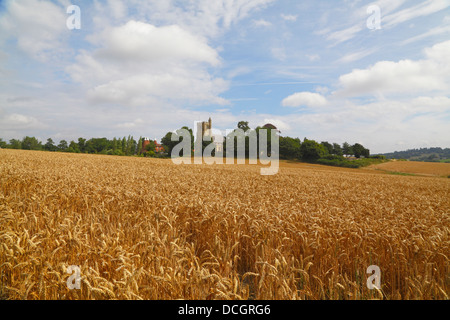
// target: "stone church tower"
[[206, 127]]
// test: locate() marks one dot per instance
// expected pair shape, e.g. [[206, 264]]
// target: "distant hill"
[[422, 154]]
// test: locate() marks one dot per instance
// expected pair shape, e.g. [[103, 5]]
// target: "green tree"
[[31, 143], [328, 146], [150, 149], [168, 144], [73, 147], [124, 145], [50, 145], [139, 145], [311, 150], [366, 153], [337, 150], [243, 125], [15, 144], [97, 145], [269, 139], [3, 144], [82, 144], [151, 146], [347, 148], [62, 146], [358, 150], [289, 148], [114, 145]]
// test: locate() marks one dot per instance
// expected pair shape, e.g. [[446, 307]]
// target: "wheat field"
[[415, 167], [141, 228]]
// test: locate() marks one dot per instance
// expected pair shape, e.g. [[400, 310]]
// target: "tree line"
[[126, 146], [422, 154], [290, 148]]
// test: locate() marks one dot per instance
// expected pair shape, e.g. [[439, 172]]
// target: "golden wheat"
[[148, 229]]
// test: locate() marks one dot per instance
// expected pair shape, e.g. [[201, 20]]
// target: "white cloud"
[[280, 124], [15, 121], [308, 99], [38, 27], [202, 17], [405, 76], [261, 23], [143, 89], [321, 89], [344, 35], [423, 9], [140, 64], [289, 17], [356, 18], [128, 125], [144, 42], [118, 8], [355, 56], [429, 33], [313, 57]]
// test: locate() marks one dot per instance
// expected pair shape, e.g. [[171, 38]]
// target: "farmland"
[[413, 167], [142, 228]]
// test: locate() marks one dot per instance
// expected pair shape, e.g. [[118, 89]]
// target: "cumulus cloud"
[[405, 76], [308, 99], [139, 63], [37, 26], [139, 41], [280, 124], [15, 121]]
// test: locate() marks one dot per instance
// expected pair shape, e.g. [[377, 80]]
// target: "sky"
[[369, 72]]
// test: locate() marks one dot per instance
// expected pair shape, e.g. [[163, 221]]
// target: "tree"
[[311, 150], [82, 144], [366, 153], [31, 143], [62, 146], [124, 145], [268, 139], [139, 146], [50, 145], [243, 125], [73, 147], [358, 150], [151, 146], [168, 144], [289, 148], [2, 143], [150, 149], [337, 150], [114, 145], [347, 148], [328, 146], [15, 144]]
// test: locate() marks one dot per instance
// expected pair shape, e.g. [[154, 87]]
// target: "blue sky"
[[313, 68]]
